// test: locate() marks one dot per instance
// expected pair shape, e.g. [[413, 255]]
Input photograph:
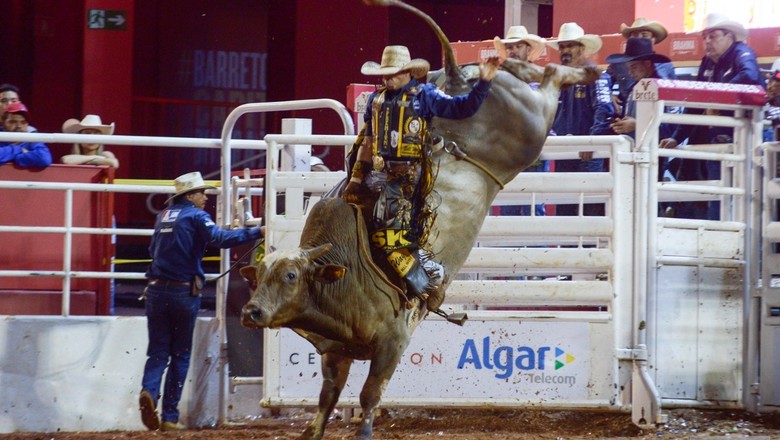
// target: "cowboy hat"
[[643, 24], [520, 33], [638, 49], [89, 122], [18, 107], [573, 32], [396, 59], [717, 21], [187, 183]]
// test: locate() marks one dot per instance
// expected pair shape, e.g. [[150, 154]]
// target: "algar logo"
[[506, 359]]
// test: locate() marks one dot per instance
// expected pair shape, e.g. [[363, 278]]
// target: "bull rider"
[[395, 147]]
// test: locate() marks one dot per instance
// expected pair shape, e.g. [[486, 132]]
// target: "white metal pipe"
[[524, 226], [587, 258], [149, 141], [77, 230], [560, 182], [698, 261], [692, 119], [703, 189], [67, 253], [688, 154], [524, 292]]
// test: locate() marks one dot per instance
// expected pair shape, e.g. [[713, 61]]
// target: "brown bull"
[[329, 291]]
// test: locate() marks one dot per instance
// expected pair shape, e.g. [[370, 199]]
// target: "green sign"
[[107, 20]]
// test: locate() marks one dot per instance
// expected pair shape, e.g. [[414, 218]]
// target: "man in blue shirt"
[[583, 109], [396, 135], [24, 154], [181, 233]]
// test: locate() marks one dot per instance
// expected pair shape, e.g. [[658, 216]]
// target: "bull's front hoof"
[[311, 433]]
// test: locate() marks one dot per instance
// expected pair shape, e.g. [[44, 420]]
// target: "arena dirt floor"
[[479, 424]]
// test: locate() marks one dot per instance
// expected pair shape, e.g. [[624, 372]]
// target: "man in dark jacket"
[[181, 233], [583, 109], [727, 59]]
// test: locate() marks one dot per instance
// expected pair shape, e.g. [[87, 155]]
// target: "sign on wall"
[[105, 19], [504, 360]]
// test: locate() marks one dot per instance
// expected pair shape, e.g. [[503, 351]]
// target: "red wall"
[[594, 16]]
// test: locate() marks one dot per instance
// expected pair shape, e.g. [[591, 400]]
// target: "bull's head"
[[281, 285]]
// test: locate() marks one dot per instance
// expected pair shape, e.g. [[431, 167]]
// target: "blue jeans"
[[170, 315]]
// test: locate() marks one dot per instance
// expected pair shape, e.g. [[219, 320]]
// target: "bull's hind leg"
[[335, 370]]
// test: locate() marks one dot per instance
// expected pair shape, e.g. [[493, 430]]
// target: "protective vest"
[[399, 132]]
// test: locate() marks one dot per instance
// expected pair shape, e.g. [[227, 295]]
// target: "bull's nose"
[[251, 316]]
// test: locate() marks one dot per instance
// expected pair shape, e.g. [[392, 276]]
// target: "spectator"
[[621, 79], [523, 46], [727, 59], [583, 109], [16, 118], [773, 100], [181, 233], [9, 94], [89, 154], [641, 62]]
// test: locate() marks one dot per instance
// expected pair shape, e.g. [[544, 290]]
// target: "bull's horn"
[[318, 251], [456, 82]]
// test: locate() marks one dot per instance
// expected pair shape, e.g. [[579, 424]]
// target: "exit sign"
[[106, 19]]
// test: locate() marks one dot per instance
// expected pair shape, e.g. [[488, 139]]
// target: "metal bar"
[[67, 253]]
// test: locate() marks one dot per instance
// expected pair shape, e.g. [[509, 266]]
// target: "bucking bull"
[[330, 292]]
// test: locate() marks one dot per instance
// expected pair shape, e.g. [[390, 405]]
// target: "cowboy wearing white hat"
[[583, 109], [521, 45], [572, 33], [182, 232], [396, 131], [89, 154], [621, 79], [719, 34], [727, 59], [187, 183], [644, 28]]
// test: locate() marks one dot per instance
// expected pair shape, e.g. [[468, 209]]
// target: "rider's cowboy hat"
[[638, 49], [520, 33], [643, 24], [92, 122], [717, 21], [187, 183], [396, 59], [573, 32]]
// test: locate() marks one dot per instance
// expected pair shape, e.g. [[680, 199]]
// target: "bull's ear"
[[329, 273], [249, 273], [318, 251]]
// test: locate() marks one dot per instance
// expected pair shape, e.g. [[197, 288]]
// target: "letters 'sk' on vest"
[[399, 132]]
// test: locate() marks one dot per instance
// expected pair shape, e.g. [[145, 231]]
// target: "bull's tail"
[[456, 81]]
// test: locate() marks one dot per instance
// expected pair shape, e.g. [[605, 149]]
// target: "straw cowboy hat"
[[638, 49], [89, 122], [187, 183], [573, 32], [717, 21], [396, 59], [643, 24], [520, 33]]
